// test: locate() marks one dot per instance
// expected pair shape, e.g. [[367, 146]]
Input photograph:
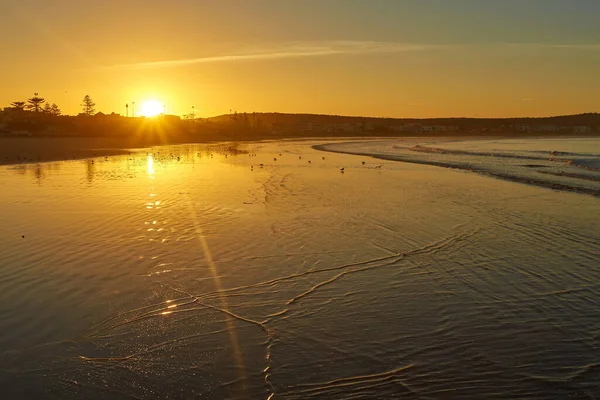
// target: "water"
[[179, 272], [562, 164]]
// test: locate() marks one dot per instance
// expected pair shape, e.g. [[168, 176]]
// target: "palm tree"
[[35, 103]]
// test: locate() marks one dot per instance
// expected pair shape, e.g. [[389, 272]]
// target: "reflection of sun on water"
[[151, 108], [150, 165]]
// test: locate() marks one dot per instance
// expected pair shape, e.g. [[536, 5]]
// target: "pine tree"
[[18, 105], [54, 110], [35, 103], [88, 106]]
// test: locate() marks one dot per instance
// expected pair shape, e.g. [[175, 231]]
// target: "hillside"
[[590, 119]]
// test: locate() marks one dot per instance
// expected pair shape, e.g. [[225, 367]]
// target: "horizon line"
[[342, 115]]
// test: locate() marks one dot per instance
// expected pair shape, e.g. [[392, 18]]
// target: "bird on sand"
[[342, 169], [379, 166], [363, 163]]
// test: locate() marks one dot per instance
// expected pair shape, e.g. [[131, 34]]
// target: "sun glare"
[[151, 108]]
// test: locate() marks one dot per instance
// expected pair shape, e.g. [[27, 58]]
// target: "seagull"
[[342, 169], [379, 166], [363, 163]]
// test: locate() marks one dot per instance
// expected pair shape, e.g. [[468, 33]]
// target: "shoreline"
[[492, 174], [33, 150]]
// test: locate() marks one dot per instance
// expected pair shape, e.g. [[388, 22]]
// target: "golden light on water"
[[150, 168], [233, 337]]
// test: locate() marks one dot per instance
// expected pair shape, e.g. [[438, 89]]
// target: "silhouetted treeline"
[[164, 129]]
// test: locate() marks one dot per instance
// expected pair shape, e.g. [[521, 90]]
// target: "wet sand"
[[187, 272], [32, 150], [39, 149]]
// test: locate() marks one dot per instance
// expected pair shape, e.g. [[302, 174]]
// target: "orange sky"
[[396, 58]]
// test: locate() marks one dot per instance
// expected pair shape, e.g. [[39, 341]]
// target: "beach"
[[32, 149], [277, 270], [35, 149]]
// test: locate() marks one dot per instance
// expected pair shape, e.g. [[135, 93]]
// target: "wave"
[[556, 170]]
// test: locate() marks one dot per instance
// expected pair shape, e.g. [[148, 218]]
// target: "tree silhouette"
[[18, 105], [35, 103], [54, 110], [47, 109], [88, 105]]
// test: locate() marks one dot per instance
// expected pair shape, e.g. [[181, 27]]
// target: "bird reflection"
[[90, 170]]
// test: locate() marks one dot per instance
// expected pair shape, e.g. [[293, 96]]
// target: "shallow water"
[[179, 272], [561, 164]]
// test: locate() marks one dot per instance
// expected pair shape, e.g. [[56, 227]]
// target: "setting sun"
[[151, 108]]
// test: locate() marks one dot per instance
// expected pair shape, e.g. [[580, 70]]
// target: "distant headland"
[[37, 119]]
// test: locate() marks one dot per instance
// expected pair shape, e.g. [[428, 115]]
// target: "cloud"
[[289, 50], [335, 48], [592, 47], [547, 46]]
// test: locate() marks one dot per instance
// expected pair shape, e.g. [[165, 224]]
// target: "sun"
[[151, 108]]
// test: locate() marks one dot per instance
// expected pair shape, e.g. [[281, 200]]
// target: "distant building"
[[20, 133], [348, 128], [368, 127], [537, 128], [406, 128], [170, 119], [434, 128], [581, 129], [8, 113], [419, 128], [303, 127]]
